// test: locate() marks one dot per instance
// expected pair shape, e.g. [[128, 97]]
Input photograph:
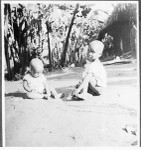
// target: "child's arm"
[[47, 89], [26, 86]]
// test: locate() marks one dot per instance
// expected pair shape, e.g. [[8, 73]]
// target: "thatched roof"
[[123, 12]]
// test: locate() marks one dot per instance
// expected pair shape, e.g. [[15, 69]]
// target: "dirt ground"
[[96, 121]]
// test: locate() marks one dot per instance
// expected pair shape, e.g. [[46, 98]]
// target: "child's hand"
[[77, 85], [60, 95], [33, 90], [46, 96], [75, 93]]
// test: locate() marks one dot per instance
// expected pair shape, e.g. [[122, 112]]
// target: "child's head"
[[36, 66], [95, 50]]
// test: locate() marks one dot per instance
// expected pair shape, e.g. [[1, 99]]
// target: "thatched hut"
[[121, 25]]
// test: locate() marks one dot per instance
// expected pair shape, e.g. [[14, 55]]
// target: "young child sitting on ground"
[[35, 83], [94, 76]]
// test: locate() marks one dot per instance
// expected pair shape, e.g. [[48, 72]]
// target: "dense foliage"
[[56, 33]]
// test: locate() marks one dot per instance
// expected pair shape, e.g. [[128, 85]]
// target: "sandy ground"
[[96, 121]]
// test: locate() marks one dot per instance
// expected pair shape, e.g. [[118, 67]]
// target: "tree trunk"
[[76, 49], [6, 46], [63, 57], [49, 48], [7, 57]]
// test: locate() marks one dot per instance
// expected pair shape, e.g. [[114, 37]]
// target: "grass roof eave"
[[122, 12]]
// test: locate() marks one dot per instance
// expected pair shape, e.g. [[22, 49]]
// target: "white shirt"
[[37, 84], [98, 72]]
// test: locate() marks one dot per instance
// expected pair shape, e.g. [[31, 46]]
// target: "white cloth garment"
[[98, 72], [37, 84]]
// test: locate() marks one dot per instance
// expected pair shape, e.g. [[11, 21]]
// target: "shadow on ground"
[[20, 95], [65, 90]]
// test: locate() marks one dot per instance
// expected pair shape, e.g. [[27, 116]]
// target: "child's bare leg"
[[94, 89], [85, 88], [35, 95], [54, 93], [84, 85]]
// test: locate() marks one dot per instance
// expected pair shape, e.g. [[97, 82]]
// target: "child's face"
[[92, 55], [34, 74]]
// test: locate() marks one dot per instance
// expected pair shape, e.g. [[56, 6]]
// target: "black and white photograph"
[[70, 74]]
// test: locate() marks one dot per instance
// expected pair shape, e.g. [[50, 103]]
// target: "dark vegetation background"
[[59, 34]]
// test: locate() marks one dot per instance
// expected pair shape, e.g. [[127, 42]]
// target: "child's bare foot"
[[60, 95], [82, 95], [46, 97], [69, 97]]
